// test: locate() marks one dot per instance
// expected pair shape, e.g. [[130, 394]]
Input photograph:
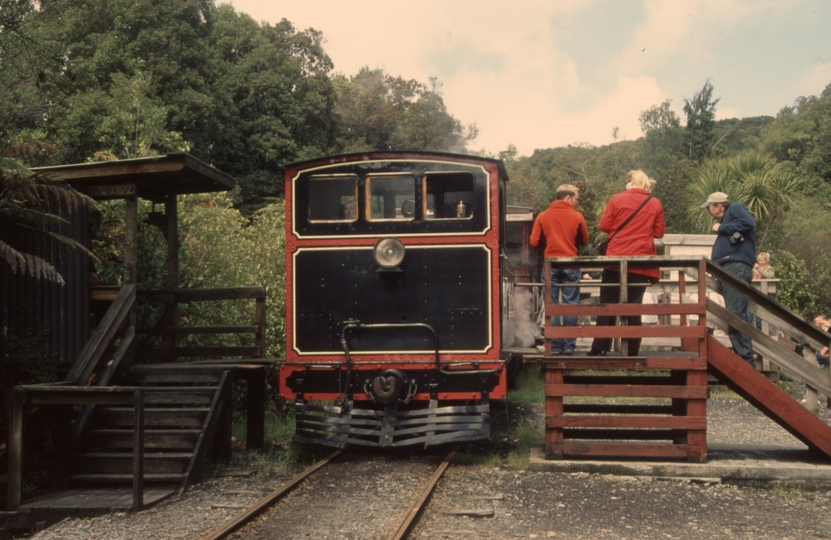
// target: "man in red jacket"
[[561, 230]]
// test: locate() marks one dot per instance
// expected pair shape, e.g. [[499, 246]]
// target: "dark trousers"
[[611, 295], [736, 303]]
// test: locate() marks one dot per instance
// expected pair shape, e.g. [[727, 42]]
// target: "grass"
[[277, 459], [530, 386], [520, 455], [489, 458], [279, 455], [279, 428]]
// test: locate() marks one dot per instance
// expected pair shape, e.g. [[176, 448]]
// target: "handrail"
[[794, 363], [164, 328], [220, 405], [103, 336], [785, 320], [688, 333], [808, 332]]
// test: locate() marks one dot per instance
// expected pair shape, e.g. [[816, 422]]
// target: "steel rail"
[[266, 501], [421, 498]]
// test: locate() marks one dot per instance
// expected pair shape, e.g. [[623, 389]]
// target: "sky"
[[549, 73]]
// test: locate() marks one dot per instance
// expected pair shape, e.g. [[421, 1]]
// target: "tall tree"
[[25, 56], [701, 121], [381, 112], [663, 136], [801, 134], [167, 41], [242, 96]]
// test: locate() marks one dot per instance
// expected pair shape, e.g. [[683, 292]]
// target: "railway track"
[[367, 496]]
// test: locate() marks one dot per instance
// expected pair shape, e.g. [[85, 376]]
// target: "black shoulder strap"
[[625, 223]]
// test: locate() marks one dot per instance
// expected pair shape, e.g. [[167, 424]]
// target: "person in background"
[[762, 269], [637, 237], [823, 358], [735, 251], [560, 230]]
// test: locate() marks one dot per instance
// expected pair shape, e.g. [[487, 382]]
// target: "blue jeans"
[[571, 295], [736, 303]]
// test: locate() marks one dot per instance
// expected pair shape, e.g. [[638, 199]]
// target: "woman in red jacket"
[[636, 238]]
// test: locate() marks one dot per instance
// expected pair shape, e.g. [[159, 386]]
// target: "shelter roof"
[[151, 178]]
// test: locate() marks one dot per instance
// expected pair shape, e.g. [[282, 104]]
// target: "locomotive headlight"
[[389, 252]]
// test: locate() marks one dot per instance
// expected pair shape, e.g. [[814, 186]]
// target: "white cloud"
[[502, 66], [686, 32], [814, 82], [540, 122], [723, 113]]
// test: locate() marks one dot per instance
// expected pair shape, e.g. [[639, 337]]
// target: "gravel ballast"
[[523, 504]]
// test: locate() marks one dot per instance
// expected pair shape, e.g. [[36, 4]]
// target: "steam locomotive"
[[400, 296]]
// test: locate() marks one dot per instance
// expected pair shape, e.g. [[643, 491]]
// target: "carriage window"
[[333, 198], [390, 197], [448, 195]]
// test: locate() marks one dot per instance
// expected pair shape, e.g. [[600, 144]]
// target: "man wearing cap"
[[734, 250], [562, 230]]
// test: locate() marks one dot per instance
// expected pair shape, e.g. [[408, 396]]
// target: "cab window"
[[333, 198], [448, 195], [391, 197]]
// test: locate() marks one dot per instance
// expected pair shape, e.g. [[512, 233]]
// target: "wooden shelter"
[[159, 179], [119, 424]]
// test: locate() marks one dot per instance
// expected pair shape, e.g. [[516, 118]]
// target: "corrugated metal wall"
[[63, 311]]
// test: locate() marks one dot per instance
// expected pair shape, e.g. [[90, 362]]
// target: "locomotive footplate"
[[340, 426], [334, 380]]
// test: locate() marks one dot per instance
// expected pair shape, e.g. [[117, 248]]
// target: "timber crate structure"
[[630, 406]]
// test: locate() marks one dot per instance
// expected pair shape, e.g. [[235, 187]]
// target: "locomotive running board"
[[318, 424]]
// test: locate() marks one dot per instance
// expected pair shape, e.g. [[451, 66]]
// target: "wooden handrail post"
[[259, 321], [547, 300], [15, 449], [622, 299], [138, 450]]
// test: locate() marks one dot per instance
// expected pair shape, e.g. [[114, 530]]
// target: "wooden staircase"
[[675, 428], [777, 405], [184, 407]]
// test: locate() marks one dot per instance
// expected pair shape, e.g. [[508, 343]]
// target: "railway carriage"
[[397, 286]]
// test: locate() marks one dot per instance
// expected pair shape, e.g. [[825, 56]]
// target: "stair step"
[[122, 463], [185, 396], [184, 417], [154, 439], [124, 478], [175, 374]]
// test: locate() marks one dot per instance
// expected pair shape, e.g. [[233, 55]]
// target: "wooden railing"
[[632, 406], [163, 341], [787, 327], [679, 309], [116, 325], [791, 328]]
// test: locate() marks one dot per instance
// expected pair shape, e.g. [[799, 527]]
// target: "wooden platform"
[[93, 501], [48, 509]]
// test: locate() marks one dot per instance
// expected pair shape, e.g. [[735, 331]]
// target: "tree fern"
[[28, 204]]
